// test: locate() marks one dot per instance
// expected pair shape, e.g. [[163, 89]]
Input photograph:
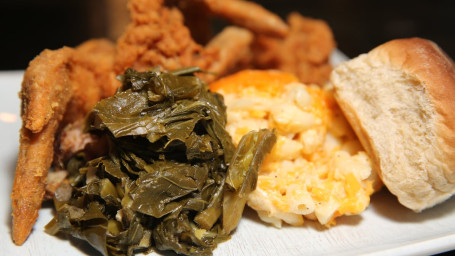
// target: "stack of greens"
[[171, 177]]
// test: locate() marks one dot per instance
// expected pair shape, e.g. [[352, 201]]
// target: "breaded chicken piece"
[[45, 81], [245, 14], [249, 15], [305, 51], [45, 93], [92, 77], [231, 50], [196, 18], [156, 36], [59, 88]]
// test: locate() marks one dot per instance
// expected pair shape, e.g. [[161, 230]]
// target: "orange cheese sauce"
[[317, 168]]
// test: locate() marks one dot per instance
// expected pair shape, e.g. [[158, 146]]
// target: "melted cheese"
[[317, 169]]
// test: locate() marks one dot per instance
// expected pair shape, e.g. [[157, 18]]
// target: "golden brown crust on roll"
[[399, 99]]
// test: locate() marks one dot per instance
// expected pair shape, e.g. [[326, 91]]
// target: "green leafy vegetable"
[[172, 178], [242, 174]]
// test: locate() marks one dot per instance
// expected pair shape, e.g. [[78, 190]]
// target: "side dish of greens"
[[170, 178]]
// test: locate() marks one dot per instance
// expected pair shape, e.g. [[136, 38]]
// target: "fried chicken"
[[305, 51], [157, 36], [45, 93], [91, 76], [59, 88], [248, 15]]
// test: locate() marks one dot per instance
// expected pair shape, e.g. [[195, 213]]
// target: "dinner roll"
[[400, 100]]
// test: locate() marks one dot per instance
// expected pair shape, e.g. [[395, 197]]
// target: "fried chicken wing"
[[45, 93], [44, 88], [59, 88], [197, 19], [248, 15], [305, 51], [91, 76], [156, 36], [231, 54]]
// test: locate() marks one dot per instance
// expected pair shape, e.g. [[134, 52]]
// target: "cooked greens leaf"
[[170, 175], [166, 186], [242, 174]]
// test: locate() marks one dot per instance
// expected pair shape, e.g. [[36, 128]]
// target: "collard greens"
[[171, 177]]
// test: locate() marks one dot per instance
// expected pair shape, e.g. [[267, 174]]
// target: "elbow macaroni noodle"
[[317, 169]]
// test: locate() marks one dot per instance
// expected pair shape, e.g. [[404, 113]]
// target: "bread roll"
[[400, 100]]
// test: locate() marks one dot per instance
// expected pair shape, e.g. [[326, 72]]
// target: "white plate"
[[385, 228]]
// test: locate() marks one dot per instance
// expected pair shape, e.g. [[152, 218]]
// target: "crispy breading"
[[40, 95], [156, 36], [59, 88], [305, 51], [45, 93], [92, 77], [249, 15], [232, 48], [197, 19]]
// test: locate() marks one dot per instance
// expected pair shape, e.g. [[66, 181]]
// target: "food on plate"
[[40, 115], [58, 88], [91, 77], [305, 51], [61, 86], [169, 176], [157, 36], [317, 168], [399, 99], [248, 15]]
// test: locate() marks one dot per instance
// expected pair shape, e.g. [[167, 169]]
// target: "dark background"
[[29, 26]]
